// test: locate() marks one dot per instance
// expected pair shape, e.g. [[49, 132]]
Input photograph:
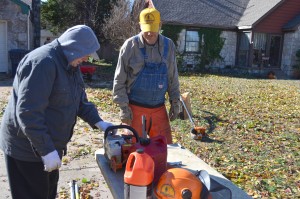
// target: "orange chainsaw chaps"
[[159, 121]]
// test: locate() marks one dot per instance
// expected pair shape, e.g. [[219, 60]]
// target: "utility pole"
[[36, 19]]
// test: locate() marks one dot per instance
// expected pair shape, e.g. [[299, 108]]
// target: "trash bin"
[[15, 56]]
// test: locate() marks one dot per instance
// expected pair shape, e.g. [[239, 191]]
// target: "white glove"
[[51, 161], [104, 125]]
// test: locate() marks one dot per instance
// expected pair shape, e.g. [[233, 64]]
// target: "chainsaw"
[[117, 148]]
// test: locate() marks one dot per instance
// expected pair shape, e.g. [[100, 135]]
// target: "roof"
[[256, 10], [227, 14], [292, 24], [24, 4], [208, 13], [28, 2]]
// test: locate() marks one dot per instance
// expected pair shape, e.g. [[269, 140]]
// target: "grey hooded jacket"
[[48, 94]]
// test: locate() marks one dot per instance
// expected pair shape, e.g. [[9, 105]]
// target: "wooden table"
[[176, 153]]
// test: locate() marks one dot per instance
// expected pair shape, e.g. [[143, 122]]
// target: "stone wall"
[[19, 28], [17, 25], [290, 46], [228, 52], [181, 41]]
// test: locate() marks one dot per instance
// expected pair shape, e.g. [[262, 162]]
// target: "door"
[[274, 50], [243, 51], [3, 47]]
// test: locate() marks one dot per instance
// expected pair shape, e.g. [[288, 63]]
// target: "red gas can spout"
[[145, 141]]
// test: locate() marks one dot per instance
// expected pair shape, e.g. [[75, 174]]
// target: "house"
[[19, 29], [258, 35]]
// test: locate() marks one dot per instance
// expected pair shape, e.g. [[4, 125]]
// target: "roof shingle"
[[256, 9], [227, 14]]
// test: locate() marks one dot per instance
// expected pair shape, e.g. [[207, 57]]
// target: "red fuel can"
[[156, 148]]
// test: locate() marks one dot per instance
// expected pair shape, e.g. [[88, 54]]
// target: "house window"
[[192, 39], [259, 41], [259, 49]]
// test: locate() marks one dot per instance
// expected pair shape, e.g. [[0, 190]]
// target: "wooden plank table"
[[176, 153]]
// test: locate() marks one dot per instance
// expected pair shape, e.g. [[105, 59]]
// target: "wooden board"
[[187, 101]]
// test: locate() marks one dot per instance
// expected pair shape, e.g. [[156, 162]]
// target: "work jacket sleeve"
[[35, 86], [120, 79], [173, 87], [88, 111]]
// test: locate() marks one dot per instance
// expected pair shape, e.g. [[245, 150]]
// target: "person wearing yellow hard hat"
[[145, 72]]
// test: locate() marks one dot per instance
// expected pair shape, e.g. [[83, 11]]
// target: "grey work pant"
[[28, 180]]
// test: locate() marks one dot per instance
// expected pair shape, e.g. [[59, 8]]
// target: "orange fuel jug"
[[139, 175]]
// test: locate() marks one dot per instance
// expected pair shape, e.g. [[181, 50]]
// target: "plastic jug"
[[138, 176]]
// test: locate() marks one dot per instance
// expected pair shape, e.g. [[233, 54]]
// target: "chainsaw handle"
[[122, 126]]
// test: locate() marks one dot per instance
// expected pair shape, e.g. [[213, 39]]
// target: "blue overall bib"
[[151, 85]]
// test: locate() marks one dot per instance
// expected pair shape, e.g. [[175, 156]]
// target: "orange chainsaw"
[[117, 148]]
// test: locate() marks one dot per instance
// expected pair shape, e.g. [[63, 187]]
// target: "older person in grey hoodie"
[[47, 97]]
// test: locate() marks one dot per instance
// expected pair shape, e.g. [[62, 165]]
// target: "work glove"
[[104, 125], [126, 114], [51, 161], [174, 109]]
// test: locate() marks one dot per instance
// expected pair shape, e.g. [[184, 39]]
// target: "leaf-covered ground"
[[254, 131], [253, 128]]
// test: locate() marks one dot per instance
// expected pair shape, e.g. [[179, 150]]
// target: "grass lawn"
[[255, 130], [253, 127]]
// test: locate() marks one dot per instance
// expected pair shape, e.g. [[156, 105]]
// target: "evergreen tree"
[[59, 15]]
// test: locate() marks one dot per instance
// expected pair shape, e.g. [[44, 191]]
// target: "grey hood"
[[78, 41]]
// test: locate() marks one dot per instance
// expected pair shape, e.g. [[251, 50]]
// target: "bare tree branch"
[[123, 21]]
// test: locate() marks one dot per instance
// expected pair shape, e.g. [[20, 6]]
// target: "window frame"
[[197, 42]]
